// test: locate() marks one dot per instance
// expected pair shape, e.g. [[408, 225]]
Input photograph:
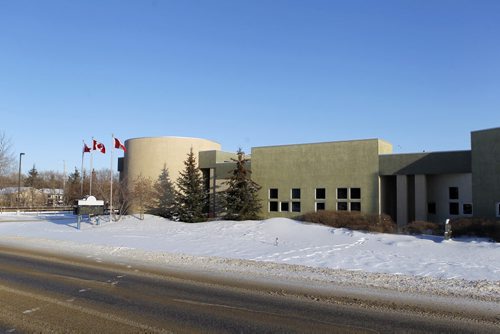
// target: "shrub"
[[351, 220], [422, 227], [476, 227]]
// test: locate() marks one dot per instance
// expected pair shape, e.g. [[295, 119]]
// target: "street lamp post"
[[19, 182]]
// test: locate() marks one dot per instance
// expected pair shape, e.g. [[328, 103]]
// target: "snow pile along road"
[[280, 247]]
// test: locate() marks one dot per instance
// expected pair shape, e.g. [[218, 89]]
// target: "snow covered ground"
[[307, 250]]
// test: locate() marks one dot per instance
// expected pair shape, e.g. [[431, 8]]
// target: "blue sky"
[[420, 74]]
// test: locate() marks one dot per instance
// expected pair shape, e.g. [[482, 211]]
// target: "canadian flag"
[[98, 146], [86, 149], [119, 144]]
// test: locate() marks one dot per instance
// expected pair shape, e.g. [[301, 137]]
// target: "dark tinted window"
[[355, 206], [273, 193], [342, 206], [355, 193], [467, 209], [320, 193], [431, 208], [342, 193], [295, 206], [295, 193], [273, 206], [453, 192]]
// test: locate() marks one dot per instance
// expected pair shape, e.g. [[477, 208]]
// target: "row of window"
[[320, 193], [348, 199], [275, 206], [453, 208], [454, 205]]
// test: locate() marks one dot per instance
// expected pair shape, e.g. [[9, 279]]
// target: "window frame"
[[320, 203], [356, 203], [471, 209], [451, 193], [293, 193], [272, 203], [316, 194], [344, 203], [346, 193], [450, 207], [271, 190], [350, 194]]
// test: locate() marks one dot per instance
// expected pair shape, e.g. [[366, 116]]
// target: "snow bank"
[[281, 247]]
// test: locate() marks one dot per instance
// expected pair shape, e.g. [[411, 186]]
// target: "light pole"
[[19, 182]]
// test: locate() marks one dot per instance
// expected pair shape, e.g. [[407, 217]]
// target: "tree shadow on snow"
[[70, 220], [440, 239]]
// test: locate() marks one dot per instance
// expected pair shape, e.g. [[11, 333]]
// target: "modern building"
[[149, 155], [357, 175], [326, 176]]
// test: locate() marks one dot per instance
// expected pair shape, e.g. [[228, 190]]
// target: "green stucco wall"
[[349, 164], [485, 147]]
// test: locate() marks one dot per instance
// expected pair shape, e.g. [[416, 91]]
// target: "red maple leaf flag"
[[86, 149], [99, 146], [119, 144]]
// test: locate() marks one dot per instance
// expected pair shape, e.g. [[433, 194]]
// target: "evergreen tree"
[[72, 191], [164, 196], [32, 180], [240, 198], [191, 196]]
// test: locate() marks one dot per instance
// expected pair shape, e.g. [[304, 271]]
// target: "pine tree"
[[164, 196], [72, 191], [32, 180], [191, 196], [240, 198]]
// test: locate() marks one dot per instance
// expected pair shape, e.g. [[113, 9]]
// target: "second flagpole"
[[91, 167], [111, 178]]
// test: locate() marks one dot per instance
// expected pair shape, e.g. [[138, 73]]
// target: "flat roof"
[[448, 162], [326, 142]]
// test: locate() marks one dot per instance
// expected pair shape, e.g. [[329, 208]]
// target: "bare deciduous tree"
[[6, 155], [122, 199], [142, 195]]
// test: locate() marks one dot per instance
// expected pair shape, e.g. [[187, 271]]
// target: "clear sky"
[[420, 74]]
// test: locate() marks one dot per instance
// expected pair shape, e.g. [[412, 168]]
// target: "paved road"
[[41, 293]]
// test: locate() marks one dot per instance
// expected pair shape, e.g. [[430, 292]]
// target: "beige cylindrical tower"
[[147, 156]]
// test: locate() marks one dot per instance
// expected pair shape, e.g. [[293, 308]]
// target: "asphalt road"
[[45, 293]]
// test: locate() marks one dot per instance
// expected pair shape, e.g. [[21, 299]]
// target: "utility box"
[[89, 206]]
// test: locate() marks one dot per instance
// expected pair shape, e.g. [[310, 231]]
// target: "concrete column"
[[402, 200], [420, 197]]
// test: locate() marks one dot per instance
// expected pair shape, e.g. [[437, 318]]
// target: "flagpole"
[[111, 178], [83, 174], [91, 166]]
